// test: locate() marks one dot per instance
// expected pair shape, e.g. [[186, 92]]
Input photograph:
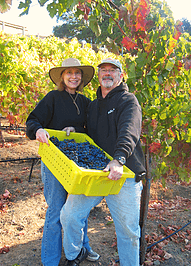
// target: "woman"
[[61, 109]]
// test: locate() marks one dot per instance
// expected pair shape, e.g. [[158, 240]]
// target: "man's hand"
[[42, 136], [68, 130], [115, 168]]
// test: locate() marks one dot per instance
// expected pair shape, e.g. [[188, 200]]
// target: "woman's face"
[[72, 78]]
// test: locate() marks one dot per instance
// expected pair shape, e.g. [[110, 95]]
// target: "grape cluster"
[[83, 154]]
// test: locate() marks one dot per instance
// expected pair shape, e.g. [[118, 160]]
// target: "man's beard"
[[107, 82]]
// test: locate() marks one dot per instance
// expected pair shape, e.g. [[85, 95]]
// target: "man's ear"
[[121, 76]]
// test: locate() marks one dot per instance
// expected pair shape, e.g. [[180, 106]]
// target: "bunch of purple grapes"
[[83, 154]]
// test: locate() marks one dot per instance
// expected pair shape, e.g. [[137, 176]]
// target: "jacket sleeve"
[[86, 115], [40, 116], [129, 122]]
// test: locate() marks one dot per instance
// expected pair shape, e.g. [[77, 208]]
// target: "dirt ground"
[[23, 208]]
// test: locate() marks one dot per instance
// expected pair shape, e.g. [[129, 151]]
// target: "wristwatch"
[[121, 160]]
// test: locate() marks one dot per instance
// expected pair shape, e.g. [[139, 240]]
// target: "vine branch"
[[107, 12]]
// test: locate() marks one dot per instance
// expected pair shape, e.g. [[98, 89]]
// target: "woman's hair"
[[62, 86]]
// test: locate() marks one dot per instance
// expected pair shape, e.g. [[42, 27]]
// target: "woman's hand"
[[68, 130], [42, 136]]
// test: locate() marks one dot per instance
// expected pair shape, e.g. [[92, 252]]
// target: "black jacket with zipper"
[[114, 123]]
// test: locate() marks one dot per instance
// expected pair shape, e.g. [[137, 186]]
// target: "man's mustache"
[[108, 77]]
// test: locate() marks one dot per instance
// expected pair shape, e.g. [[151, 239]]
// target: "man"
[[114, 123]]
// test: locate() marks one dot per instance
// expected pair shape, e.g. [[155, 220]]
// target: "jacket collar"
[[122, 87]]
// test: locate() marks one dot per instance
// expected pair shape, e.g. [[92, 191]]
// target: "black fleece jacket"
[[114, 123], [57, 111]]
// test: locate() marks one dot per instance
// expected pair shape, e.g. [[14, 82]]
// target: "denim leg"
[[86, 239], [125, 210], [73, 218], [55, 196]]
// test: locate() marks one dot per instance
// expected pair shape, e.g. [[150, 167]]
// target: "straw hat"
[[88, 71]]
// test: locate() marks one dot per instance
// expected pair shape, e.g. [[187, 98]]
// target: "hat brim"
[[88, 73]]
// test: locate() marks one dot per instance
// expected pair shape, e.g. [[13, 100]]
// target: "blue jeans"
[[125, 210], [55, 196]]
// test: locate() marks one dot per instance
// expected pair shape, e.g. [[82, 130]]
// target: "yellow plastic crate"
[[75, 179]]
